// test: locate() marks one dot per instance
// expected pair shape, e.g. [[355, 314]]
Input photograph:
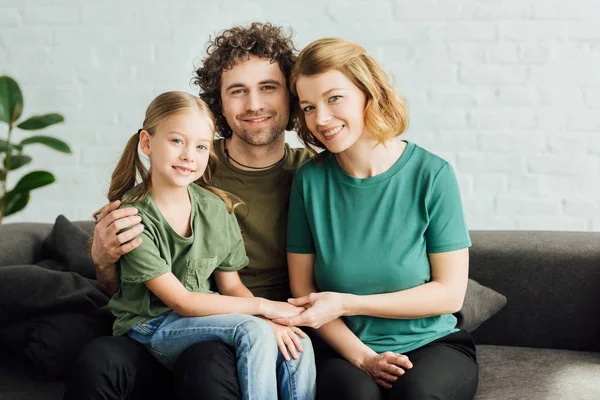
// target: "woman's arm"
[[383, 368], [444, 294]]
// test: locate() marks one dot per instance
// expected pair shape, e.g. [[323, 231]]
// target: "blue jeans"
[[261, 367]]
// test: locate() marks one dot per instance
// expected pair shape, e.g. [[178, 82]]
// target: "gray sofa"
[[544, 344]]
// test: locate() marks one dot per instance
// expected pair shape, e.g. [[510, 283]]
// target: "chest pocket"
[[197, 273]]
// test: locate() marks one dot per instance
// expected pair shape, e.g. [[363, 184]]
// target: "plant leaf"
[[2, 174], [33, 180], [49, 141], [40, 121], [11, 100], [15, 202], [16, 161]]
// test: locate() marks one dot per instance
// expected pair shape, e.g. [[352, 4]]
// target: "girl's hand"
[[278, 309], [321, 308], [287, 339], [386, 368]]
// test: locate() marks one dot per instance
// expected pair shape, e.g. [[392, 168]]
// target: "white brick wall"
[[506, 90]]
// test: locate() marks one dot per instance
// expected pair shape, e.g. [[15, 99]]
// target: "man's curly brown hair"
[[236, 45]]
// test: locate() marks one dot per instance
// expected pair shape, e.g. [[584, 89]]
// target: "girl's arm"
[[192, 304], [443, 295], [230, 284]]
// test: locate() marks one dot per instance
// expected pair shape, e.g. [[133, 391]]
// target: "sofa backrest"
[[552, 284]]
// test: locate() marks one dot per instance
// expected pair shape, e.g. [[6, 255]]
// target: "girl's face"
[[333, 109], [179, 149]]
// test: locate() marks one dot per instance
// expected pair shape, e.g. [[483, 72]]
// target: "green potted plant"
[[12, 154]]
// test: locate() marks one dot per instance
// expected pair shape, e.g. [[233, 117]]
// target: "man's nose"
[[254, 101]]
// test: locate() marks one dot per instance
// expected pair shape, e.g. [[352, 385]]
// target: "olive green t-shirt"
[[373, 235], [263, 219], [215, 242]]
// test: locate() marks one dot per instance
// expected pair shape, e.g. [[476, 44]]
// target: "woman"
[[377, 242]]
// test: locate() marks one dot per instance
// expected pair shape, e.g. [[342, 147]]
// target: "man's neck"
[[250, 157]]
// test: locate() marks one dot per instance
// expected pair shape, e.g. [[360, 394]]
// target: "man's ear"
[[145, 142]]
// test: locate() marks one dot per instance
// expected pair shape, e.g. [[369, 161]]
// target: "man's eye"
[[334, 98], [268, 87], [239, 91]]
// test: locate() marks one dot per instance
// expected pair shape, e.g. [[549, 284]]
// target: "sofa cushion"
[[21, 243], [529, 374], [67, 242], [481, 303]]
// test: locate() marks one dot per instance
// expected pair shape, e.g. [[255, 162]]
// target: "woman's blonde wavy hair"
[[386, 111]]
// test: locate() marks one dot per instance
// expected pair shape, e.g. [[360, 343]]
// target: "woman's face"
[[333, 109]]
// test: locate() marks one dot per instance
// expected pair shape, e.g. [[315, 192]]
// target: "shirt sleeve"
[[144, 262], [299, 236], [447, 229], [237, 258]]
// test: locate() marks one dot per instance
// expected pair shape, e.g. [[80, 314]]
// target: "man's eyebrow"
[[263, 82]]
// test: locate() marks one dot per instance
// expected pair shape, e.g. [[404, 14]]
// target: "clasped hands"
[[321, 308]]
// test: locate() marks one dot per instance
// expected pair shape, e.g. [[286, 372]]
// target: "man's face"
[[255, 101]]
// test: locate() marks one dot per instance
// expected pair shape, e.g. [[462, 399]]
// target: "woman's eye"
[[334, 98], [308, 108]]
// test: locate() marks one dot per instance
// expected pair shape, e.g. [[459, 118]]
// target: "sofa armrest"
[[552, 284], [21, 243]]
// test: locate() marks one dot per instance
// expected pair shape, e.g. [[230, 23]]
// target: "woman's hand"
[[287, 339], [321, 308], [386, 368], [278, 309]]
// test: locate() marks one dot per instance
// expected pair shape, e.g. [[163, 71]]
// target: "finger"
[[300, 301], [289, 321], [297, 343], [119, 214], [282, 348], [394, 370], [127, 247], [383, 383], [124, 223], [130, 234], [290, 345], [400, 360], [299, 332], [387, 377], [104, 211]]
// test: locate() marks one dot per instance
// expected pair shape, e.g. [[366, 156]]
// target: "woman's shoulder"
[[315, 166], [427, 161]]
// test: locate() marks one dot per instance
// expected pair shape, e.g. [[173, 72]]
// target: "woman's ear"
[[145, 142]]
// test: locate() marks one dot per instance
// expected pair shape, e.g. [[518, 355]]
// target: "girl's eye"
[[178, 141], [334, 98], [202, 147], [308, 108]]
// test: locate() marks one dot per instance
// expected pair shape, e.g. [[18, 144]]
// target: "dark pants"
[[444, 369], [119, 368]]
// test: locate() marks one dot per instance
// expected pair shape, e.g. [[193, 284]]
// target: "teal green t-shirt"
[[215, 243], [372, 236]]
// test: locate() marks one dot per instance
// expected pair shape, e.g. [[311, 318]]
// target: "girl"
[[376, 224], [190, 240]]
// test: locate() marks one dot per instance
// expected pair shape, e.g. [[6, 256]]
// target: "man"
[[244, 79]]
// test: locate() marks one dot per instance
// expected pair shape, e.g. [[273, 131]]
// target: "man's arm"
[[107, 245]]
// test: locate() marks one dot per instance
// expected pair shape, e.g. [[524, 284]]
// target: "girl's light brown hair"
[[124, 178], [386, 111]]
